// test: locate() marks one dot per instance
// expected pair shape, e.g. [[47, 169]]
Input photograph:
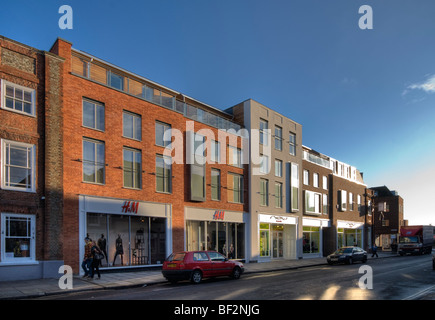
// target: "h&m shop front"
[[130, 233]]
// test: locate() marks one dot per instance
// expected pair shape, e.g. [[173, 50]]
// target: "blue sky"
[[364, 97]]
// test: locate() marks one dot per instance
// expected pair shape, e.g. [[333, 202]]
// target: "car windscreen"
[[343, 250], [408, 239], [176, 257]]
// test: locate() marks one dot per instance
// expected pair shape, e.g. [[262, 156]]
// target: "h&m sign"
[[130, 207], [219, 215]]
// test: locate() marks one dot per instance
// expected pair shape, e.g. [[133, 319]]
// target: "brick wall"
[[75, 88]]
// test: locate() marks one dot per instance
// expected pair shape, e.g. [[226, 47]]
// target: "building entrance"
[[277, 241]]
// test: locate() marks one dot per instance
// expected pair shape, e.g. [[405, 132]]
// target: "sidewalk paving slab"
[[26, 289]]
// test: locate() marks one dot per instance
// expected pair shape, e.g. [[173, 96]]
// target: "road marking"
[[419, 294]]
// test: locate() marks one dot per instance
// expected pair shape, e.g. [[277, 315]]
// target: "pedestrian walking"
[[87, 258], [97, 256], [375, 251]]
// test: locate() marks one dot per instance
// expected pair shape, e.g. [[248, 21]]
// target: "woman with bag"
[[97, 255]]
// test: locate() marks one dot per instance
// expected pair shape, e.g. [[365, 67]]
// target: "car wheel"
[[196, 276], [236, 273]]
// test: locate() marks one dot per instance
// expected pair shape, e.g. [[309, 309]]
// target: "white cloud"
[[427, 86]]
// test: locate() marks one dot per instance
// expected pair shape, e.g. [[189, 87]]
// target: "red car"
[[196, 265]]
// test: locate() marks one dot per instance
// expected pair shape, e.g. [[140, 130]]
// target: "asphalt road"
[[398, 278]]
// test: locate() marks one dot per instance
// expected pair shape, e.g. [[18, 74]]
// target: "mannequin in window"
[[119, 250], [102, 245]]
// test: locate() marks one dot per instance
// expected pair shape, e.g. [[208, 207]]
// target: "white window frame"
[[315, 180], [306, 177], [325, 182], [264, 165], [215, 151], [32, 161], [6, 258], [16, 86], [343, 200], [316, 199], [278, 168]]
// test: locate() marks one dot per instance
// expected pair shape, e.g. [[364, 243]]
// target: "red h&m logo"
[[127, 208], [218, 215]]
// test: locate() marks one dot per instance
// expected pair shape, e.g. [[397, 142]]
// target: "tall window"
[[264, 192], [264, 166], [342, 199], [215, 152], [264, 137], [163, 174], [294, 185], [163, 134], [325, 182], [278, 195], [93, 114], [325, 204], [278, 138], [131, 125], [292, 144], [235, 187], [17, 98], [132, 168], [18, 166], [234, 156], [197, 167], [215, 184], [315, 180], [350, 201], [278, 168], [93, 161], [306, 177]]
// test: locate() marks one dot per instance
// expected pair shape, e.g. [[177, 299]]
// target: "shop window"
[[311, 239], [18, 166], [225, 237], [128, 240], [264, 240], [17, 237]]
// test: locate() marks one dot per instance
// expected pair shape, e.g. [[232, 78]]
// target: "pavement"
[[27, 289]]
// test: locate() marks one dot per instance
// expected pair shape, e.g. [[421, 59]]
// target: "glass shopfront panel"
[[128, 240], [349, 237], [227, 238], [311, 239]]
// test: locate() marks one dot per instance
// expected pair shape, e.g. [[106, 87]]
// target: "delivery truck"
[[415, 240]]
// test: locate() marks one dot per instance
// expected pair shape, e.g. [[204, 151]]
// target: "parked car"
[[347, 255], [196, 265]]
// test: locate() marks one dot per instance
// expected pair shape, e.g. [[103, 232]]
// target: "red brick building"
[[31, 180], [117, 184]]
